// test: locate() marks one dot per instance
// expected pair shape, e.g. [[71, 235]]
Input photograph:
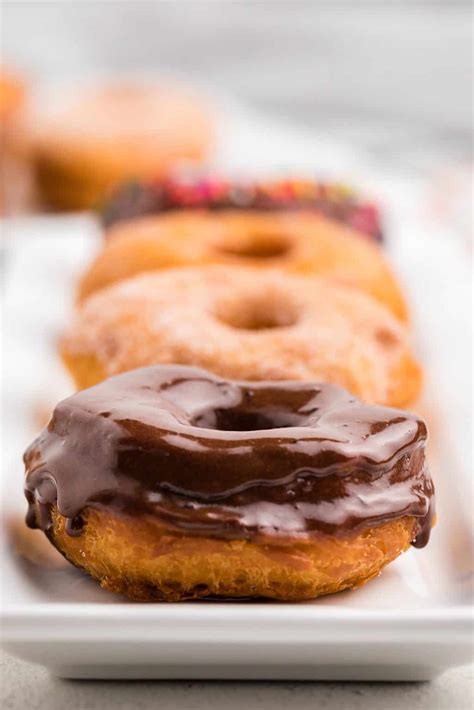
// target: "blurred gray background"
[[388, 76]]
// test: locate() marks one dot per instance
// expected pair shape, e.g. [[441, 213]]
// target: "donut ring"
[[198, 486], [298, 242], [245, 323], [118, 132]]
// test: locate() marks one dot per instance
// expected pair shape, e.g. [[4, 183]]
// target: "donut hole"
[[256, 245], [258, 312], [235, 419]]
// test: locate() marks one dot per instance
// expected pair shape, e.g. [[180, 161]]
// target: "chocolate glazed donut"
[[170, 483]]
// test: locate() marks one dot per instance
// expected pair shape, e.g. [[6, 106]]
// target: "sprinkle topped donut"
[[214, 193], [246, 324], [202, 457]]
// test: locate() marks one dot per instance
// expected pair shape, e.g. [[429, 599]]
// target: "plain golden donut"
[[298, 242], [87, 146]]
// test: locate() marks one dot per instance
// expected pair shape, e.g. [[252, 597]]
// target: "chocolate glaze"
[[229, 459]]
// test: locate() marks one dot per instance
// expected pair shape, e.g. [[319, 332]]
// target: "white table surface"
[[31, 687]]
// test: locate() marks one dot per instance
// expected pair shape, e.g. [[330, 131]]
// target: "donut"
[[170, 483], [300, 242], [85, 147], [15, 177], [12, 95], [244, 323], [211, 192]]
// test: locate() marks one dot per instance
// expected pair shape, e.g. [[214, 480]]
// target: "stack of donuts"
[[241, 426]]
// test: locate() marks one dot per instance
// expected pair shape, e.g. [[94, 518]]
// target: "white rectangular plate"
[[411, 623]]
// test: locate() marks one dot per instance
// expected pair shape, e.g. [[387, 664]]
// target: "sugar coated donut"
[[245, 323], [170, 483], [300, 242], [86, 147]]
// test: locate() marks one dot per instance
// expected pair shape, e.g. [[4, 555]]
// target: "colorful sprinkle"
[[334, 200]]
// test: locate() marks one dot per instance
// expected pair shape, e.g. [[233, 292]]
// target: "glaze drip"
[[229, 459]]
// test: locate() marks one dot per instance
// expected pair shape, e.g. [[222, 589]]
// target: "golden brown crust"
[[114, 134], [298, 242], [16, 186], [245, 324], [12, 96], [146, 561]]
